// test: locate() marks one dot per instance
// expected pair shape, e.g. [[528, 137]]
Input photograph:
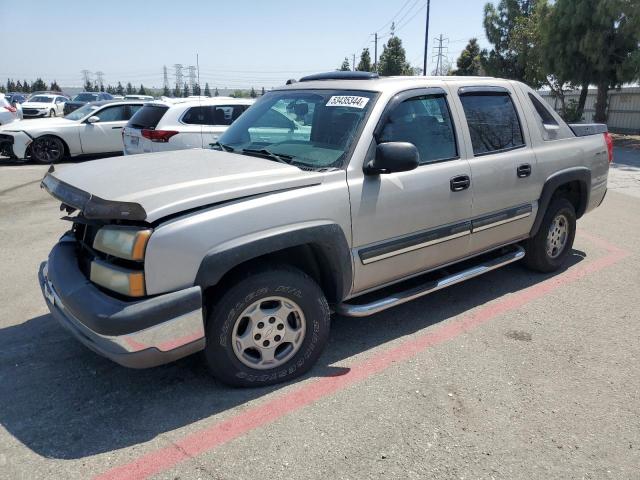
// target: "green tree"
[[207, 91], [88, 86], [38, 85], [345, 65], [364, 65], [111, 89], [11, 85], [141, 90], [393, 60], [468, 62], [499, 23], [26, 87], [176, 91], [55, 87], [102, 87], [130, 90], [166, 92], [18, 86], [120, 89], [216, 93], [197, 90], [185, 90], [593, 42], [253, 93], [262, 91]]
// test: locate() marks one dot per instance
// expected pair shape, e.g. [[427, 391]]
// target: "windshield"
[[81, 112], [311, 128], [41, 99], [85, 97]]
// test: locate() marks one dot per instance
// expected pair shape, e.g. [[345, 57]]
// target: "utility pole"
[[426, 40], [375, 55], [198, 66], [354, 62]]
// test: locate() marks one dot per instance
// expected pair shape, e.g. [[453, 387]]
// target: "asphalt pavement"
[[512, 375]]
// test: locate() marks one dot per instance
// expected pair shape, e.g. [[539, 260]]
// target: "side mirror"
[[393, 157], [93, 119]]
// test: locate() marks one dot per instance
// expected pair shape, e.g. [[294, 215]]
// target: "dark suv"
[[84, 98]]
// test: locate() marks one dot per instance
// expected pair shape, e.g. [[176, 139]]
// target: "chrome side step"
[[514, 254]]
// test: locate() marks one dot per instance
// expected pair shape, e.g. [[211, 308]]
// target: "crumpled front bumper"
[[136, 334], [16, 142]]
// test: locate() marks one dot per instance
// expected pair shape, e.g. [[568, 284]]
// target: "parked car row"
[[117, 126], [9, 111]]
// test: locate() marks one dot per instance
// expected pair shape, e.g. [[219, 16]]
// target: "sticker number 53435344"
[[347, 101]]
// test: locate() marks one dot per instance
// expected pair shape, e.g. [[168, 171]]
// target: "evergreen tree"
[[185, 90], [142, 91], [196, 89], [393, 59], [111, 89], [468, 62], [345, 65], [365, 61], [499, 24], [26, 87], [119, 89], [18, 87], [55, 87], [207, 92], [38, 85], [166, 92], [176, 91], [130, 90], [262, 92], [102, 87], [253, 93], [216, 93]]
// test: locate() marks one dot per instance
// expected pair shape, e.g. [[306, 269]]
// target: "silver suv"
[[342, 192]]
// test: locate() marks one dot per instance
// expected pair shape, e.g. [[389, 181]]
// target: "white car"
[[46, 105], [148, 98], [179, 124], [8, 112], [94, 129]]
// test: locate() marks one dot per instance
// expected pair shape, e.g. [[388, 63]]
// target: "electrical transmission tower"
[[192, 77], [100, 79], [165, 77], [86, 77], [178, 68], [440, 52]]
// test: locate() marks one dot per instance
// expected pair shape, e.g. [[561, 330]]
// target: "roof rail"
[[340, 75]]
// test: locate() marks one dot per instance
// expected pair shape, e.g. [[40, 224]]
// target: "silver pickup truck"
[[341, 192]]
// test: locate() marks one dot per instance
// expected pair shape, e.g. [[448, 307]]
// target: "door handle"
[[459, 183], [524, 170], [116, 128]]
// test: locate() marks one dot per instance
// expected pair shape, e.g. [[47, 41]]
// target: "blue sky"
[[242, 43]]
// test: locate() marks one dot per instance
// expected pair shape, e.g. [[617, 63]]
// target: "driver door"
[[405, 223], [105, 135]]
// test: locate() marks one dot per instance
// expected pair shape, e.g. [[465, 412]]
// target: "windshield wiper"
[[278, 157], [222, 146]]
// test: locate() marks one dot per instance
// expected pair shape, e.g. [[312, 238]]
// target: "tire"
[[47, 149], [249, 316], [548, 249], [52, 113]]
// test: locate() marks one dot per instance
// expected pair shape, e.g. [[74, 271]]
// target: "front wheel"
[[548, 249], [268, 327], [47, 149], [52, 113]]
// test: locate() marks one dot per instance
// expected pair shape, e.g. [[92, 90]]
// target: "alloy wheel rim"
[[557, 236], [268, 333], [47, 150]]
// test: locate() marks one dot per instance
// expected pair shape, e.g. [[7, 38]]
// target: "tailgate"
[[585, 129], [134, 142]]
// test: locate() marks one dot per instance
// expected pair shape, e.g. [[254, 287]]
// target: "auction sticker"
[[347, 101]]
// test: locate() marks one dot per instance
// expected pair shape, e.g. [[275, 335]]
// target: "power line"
[[441, 54], [395, 16], [178, 74], [100, 78], [86, 76]]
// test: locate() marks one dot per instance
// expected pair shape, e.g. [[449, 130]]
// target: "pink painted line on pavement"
[[209, 438]]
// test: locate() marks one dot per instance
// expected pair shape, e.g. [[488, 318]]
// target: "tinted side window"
[[148, 116], [543, 112], [113, 114], [425, 122], [195, 116], [493, 122]]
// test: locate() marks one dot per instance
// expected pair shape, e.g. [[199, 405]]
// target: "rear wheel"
[[47, 149], [268, 327], [549, 248]]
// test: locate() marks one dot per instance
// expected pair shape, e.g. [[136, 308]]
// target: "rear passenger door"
[[192, 120], [502, 165]]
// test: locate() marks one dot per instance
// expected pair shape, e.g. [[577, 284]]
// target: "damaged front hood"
[[151, 186]]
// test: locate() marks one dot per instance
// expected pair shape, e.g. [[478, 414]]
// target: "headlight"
[[121, 280], [122, 242]]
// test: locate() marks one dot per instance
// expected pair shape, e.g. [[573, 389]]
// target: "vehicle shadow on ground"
[[63, 401], [10, 162]]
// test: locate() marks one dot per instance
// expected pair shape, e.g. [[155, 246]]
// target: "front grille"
[[30, 111], [4, 138]]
